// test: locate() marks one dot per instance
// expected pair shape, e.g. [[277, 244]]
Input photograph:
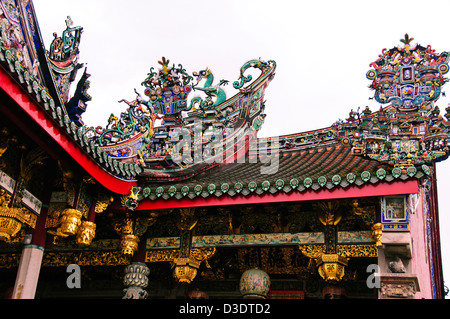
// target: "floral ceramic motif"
[[254, 283]]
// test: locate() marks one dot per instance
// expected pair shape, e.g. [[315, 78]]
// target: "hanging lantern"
[[254, 284], [185, 269], [331, 266], [129, 244]]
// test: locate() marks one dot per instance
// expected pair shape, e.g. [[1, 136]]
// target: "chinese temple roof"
[[186, 139], [323, 167]]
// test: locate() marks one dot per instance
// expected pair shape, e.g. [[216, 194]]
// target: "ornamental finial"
[[407, 39]]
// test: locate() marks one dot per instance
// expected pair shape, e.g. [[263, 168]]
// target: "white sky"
[[322, 48]]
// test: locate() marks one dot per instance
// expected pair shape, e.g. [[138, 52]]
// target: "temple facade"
[[178, 197]]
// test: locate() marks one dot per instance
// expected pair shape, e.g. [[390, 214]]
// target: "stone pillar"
[[395, 250], [136, 274], [394, 260], [136, 280]]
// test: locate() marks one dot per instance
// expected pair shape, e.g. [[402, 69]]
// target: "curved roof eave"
[[59, 134]]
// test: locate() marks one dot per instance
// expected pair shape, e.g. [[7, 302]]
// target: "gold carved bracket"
[[185, 268], [130, 229], [13, 218], [188, 220], [329, 213], [102, 203], [331, 267], [68, 224], [377, 234]]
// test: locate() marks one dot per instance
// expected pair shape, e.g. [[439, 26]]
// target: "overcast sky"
[[322, 48]]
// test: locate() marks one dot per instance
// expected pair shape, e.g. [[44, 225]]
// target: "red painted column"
[[91, 213], [140, 255]]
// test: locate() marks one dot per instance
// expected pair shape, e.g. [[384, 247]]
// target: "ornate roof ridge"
[[407, 135], [226, 184]]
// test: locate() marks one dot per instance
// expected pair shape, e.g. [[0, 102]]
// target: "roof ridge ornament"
[[65, 48], [407, 39], [407, 44], [408, 131], [410, 76], [186, 140], [63, 56]]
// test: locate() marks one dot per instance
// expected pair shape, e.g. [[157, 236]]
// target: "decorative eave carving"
[[395, 286]]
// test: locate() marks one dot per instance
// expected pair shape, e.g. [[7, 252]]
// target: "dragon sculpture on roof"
[[173, 138]]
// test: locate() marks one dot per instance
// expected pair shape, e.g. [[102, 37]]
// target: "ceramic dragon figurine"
[[258, 64], [195, 126], [212, 91]]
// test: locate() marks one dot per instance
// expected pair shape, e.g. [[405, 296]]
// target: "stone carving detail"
[[397, 290], [136, 280], [398, 285], [396, 265]]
